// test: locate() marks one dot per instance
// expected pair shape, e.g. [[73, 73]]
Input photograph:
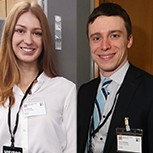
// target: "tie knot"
[[105, 84]]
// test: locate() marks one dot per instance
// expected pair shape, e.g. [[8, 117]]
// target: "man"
[[128, 109]]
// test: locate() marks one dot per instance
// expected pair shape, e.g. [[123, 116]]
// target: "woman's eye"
[[37, 34], [19, 30]]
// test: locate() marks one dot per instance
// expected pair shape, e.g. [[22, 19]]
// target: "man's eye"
[[114, 36], [95, 38]]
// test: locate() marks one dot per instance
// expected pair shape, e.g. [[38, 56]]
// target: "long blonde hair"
[[9, 68]]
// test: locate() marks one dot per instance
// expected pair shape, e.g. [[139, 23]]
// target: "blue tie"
[[100, 102], [98, 109]]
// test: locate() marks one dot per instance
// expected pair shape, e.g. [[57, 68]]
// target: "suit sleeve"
[[150, 129]]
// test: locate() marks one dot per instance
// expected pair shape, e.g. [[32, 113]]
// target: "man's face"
[[109, 43]]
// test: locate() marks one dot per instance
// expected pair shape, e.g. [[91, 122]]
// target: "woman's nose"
[[28, 38]]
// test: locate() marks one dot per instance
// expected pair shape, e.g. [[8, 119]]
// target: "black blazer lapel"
[[126, 92], [86, 97]]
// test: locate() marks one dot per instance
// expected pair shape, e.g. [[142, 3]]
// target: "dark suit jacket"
[[135, 101]]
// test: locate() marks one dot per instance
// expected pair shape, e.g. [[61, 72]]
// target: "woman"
[[37, 107]]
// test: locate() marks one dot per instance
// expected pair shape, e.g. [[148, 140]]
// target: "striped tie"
[[100, 102], [98, 110]]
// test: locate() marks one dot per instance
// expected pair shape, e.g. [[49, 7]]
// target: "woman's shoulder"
[[64, 80], [58, 80]]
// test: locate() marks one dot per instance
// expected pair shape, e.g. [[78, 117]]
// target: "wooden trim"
[[96, 69], [96, 3]]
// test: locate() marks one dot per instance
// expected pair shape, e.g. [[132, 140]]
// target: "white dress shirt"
[[51, 129], [117, 79]]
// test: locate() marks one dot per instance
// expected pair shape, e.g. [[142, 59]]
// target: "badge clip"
[[126, 121]]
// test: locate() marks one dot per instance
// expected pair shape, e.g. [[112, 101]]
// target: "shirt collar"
[[119, 75]]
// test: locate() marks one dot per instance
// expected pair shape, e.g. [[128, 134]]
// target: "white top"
[[51, 129], [117, 79]]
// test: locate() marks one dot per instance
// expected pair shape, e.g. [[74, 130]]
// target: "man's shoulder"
[[91, 83], [139, 76], [140, 72]]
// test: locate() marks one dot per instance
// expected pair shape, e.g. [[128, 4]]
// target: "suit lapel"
[[126, 92], [91, 98], [86, 97]]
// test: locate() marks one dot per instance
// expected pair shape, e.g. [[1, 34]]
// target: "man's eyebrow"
[[97, 33], [113, 31]]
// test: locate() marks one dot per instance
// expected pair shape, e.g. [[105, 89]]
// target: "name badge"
[[34, 108], [7, 149], [130, 141]]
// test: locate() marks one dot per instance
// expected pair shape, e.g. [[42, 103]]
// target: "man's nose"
[[105, 44]]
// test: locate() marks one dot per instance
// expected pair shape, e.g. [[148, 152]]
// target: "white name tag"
[[129, 143], [34, 108]]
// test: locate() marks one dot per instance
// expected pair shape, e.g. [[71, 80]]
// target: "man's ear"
[[130, 41]]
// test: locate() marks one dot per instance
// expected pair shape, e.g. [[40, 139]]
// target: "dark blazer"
[[135, 101]]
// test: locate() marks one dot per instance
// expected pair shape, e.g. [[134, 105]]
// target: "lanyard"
[[94, 131], [12, 133]]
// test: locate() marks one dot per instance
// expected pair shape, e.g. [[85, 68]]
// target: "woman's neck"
[[26, 78]]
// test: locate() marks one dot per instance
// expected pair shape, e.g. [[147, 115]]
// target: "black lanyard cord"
[[17, 115], [93, 131], [107, 116]]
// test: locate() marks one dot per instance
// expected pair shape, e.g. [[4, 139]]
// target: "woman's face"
[[27, 39]]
